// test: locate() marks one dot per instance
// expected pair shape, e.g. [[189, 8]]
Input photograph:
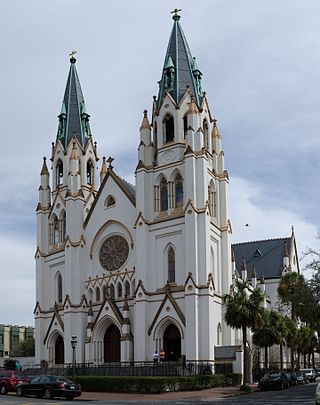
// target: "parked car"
[[311, 374], [302, 377], [318, 394], [9, 380], [274, 379], [49, 386], [292, 377]]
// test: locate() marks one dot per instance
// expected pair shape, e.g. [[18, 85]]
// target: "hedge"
[[149, 385]]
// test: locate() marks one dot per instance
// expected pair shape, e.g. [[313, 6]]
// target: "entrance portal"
[[112, 344], [172, 343], [59, 350]]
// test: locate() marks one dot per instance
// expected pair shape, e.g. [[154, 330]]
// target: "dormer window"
[[168, 125]]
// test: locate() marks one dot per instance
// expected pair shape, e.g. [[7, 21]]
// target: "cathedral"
[[130, 269]]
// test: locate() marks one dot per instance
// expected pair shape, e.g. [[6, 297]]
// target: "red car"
[[9, 379]]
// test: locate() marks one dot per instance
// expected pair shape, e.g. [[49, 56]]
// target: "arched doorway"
[[112, 344], [172, 343], [59, 350]]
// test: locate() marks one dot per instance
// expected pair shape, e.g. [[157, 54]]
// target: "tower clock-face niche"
[[113, 253]]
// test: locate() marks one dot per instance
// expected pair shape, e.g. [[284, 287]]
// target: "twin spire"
[[73, 118], [180, 69], [180, 72]]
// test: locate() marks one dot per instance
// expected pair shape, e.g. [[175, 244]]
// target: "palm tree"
[[271, 331], [244, 309], [291, 337]]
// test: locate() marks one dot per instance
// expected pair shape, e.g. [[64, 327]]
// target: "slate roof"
[[179, 57], [225, 352], [265, 255], [74, 119]]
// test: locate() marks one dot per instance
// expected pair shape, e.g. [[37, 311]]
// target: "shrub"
[[148, 385], [9, 364], [233, 379]]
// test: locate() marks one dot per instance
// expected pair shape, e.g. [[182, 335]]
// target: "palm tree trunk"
[[281, 357], [244, 343], [292, 358], [266, 357]]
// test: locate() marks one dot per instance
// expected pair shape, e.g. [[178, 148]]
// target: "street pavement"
[[303, 394]]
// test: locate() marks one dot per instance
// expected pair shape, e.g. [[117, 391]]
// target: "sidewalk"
[[212, 393]]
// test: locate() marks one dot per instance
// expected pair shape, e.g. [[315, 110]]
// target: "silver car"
[[311, 374]]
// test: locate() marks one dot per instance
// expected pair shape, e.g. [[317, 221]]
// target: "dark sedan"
[[302, 377], [49, 386], [274, 379]]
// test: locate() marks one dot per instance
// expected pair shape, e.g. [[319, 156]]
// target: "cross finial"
[[73, 56], [110, 160], [175, 12]]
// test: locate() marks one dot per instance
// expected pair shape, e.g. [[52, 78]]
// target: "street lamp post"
[[74, 345]]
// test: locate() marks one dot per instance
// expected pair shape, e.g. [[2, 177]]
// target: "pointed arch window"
[[127, 289], [168, 125], [112, 291], [59, 288], [178, 191], [219, 330], [171, 265], [63, 226], [119, 288], [110, 201], [98, 294], [163, 194], [59, 173], [205, 134], [185, 125], [56, 233], [212, 199], [89, 172]]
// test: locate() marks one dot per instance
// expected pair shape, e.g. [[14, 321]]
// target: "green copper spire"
[[73, 118], [179, 69]]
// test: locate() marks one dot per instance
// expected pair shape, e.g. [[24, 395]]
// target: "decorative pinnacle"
[[244, 264], [104, 166], [44, 169], [176, 16], [73, 56], [254, 274]]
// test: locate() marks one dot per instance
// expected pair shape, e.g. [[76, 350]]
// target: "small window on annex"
[[171, 265], [168, 125]]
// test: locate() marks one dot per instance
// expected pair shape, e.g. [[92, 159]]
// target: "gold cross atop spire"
[[176, 11], [73, 55]]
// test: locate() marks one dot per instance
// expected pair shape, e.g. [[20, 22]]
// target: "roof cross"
[[110, 160], [73, 54], [176, 11]]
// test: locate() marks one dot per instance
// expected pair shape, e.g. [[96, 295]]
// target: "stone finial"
[[103, 166], [145, 122], [44, 170], [110, 160], [193, 108], [285, 250]]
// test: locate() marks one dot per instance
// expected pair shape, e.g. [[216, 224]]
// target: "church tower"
[[61, 211], [182, 229]]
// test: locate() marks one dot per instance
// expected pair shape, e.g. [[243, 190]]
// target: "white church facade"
[[133, 269]]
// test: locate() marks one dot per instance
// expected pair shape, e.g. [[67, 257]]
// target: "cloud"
[[17, 299]]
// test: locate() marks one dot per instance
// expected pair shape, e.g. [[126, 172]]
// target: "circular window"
[[113, 253]]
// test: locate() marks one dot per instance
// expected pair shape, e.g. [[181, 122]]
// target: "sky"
[[260, 63]]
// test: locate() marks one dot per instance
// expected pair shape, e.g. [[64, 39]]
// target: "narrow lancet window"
[[59, 288], [163, 195], [89, 172], [168, 123], [171, 265], [59, 173], [178, 191]]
